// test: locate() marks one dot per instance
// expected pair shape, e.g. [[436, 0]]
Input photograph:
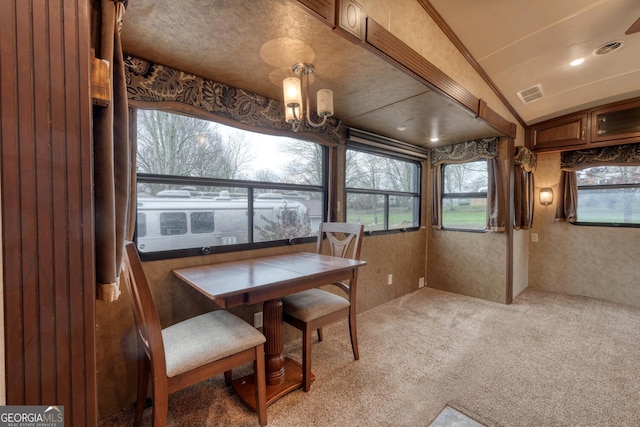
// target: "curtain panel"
[[572, 161], [114, 159], [486, 148], [523, 187], [149, 83]]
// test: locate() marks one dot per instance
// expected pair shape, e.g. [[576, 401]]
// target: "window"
[[382, 191], [204, 187], [464, 195], [609, 195]]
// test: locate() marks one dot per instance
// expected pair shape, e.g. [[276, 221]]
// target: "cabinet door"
[[559, 133], [621, 121]]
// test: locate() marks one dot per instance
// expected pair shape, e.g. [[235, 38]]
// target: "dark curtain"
[[523, 188], [436, 196], [114, 159], [495, 195], [568, 198], [523, 185]]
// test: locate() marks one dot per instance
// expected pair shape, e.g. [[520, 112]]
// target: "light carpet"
[[548, 359]]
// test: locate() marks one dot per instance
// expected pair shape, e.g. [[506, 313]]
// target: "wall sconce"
[[546, 196], [296, 99]]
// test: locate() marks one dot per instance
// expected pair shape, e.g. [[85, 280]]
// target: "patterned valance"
[[149, 82], [486, 148], [526, 159], [628, 154]]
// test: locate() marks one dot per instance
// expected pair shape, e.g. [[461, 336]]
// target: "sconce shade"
[[546, 196], [292, 92]]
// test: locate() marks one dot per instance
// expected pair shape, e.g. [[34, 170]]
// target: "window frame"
[[600, 187], [363, 148], [464, 195], [250, 186]]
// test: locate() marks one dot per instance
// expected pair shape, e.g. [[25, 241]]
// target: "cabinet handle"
[[583, 132]]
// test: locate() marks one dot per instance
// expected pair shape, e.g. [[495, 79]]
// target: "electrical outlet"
[[421, 282], [534, 237], [390, 279], [257, 320]]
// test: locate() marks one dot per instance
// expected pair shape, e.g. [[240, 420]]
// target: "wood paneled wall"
[[47, 214]]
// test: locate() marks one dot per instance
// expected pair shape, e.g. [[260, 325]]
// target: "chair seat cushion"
[[313, 304], [206, 338]]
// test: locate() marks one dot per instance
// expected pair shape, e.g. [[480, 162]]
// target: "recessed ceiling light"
[[402, 128], [435, 139], [576, 62]]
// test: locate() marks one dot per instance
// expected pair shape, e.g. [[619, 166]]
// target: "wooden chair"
[[190, 351], [310, 310]]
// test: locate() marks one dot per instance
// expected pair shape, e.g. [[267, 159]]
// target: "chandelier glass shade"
[[296, 99]]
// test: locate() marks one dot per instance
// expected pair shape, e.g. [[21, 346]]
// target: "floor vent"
[[531, 94]]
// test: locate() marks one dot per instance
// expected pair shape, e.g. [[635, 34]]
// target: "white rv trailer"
[[169, 223]]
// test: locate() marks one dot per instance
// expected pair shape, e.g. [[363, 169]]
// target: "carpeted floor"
[[546, 360]]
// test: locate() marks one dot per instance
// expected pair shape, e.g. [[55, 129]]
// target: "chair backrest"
[[148, 327], [345, 239]]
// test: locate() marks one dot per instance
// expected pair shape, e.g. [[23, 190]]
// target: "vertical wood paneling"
[[14, 340], [59, 200], [43, 164], [47, 206]]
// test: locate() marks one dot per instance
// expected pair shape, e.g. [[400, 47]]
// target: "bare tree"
[[400, 175], [265, 175], [465, 177], [173, 144], [306, 168]]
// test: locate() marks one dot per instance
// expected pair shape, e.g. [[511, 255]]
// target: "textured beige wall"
[[598, 262], [520, 261], [471, 264]]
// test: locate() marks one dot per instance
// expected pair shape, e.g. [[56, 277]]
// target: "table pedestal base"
[[246, 389]]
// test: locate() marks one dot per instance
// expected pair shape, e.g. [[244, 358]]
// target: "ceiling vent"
[[608, 47], [531, 94]]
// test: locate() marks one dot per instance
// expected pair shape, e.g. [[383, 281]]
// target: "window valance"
[[526, 159], [627, 154], [572, 161], [486, 148], [148, 82]]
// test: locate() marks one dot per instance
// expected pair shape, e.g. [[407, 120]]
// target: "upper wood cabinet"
[[618, 122], [558, 133], [612, 124]]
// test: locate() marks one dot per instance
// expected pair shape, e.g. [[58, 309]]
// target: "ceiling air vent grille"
[[531, 94], [608, 47]]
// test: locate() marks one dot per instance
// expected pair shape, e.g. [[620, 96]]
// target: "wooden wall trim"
[[394, 50], [47, 211], [428, 7], [495, 120]]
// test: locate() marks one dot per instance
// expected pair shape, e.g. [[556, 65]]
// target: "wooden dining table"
[[266, 280]]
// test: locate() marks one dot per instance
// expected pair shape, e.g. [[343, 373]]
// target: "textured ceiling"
[[522, 43], [253, 44]]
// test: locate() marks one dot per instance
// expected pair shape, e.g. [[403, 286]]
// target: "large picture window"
[[382, 192], [464, 195], [609, 195], [204, 187]]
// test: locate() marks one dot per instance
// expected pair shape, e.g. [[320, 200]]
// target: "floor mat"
[[450, 417]]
